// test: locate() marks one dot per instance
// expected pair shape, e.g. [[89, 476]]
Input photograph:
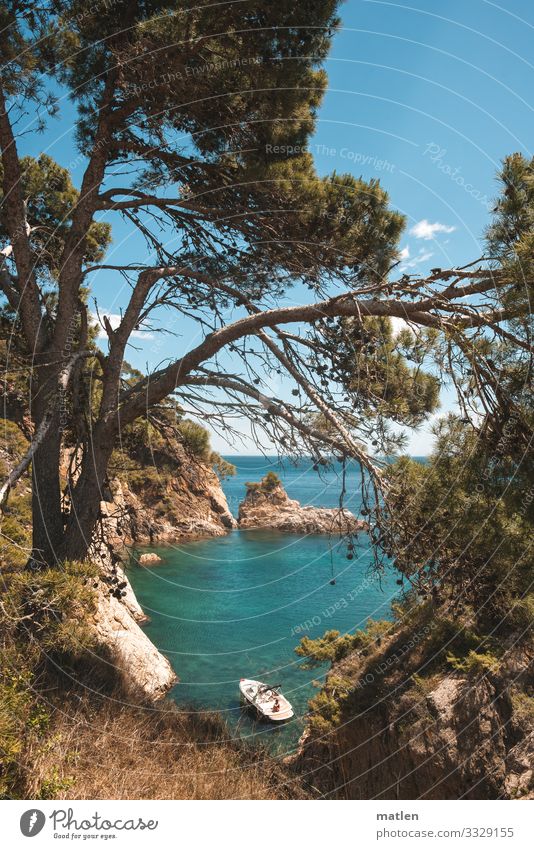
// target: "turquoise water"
[[236, 606]]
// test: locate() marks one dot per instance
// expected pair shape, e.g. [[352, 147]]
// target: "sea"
[[237, 606]]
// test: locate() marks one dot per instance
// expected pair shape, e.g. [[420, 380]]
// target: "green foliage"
[[158, 450], [22, 717], [266, 59], [15, 521], [51, 198], [477, 663], [523, 707], [459, 525], [511, 234], [222, 467], [43, 624], [268, 484], [195, 439], [15, 531], [333, 647], [385, 372], [49, 609], [270, 481], [54, 785], [326, 708], [14, 445]]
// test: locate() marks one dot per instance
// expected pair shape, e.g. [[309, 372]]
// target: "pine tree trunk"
[[47, 518], [86, 498]]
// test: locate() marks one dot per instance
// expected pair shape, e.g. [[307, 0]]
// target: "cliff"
[[267, 505], [395, 722], [168, 504]]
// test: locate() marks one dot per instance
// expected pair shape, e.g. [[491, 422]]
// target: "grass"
[[117, 751]]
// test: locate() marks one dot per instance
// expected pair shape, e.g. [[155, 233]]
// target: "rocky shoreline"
[[267, 505]]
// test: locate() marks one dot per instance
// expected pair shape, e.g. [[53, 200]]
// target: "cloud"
[[114, 320], [398, 324], [425, 230], [405, 253], [422, 256]]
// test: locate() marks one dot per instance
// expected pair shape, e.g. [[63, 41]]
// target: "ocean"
[[236, 606]]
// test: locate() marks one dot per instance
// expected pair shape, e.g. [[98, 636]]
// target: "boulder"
[[148, 558]]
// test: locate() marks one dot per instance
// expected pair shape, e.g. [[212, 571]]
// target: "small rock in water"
[[150, 557]]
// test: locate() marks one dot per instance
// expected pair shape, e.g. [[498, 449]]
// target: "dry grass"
[[127, 752]]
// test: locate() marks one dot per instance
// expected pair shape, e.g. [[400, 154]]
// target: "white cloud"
[[405, 253], [426, 230], [398, 324], [114, 320], [422, 256]]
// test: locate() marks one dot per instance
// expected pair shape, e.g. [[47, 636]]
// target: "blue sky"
[[428, 97]]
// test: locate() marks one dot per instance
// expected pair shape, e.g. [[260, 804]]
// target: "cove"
[[237, 606]]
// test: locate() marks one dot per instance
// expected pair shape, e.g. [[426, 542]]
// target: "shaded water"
[[237, 606]]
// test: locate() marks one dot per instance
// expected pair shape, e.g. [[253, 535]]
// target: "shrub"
[[15, 531], [43, 619], [222, 467], [332, 647], [49, 609], [270, 481], [477, 663], [195, 439]]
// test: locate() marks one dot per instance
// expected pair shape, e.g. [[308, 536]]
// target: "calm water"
[[237, 606]]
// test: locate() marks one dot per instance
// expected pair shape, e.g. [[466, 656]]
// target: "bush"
[[222, 467], [477, 663], [49, 609], [270, 481], [43, 627], [332, 647], [195, 439]]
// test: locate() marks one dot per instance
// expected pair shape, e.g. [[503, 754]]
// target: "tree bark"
[[86, 496], [47, 516]]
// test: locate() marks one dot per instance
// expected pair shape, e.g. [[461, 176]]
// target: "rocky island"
[[267, 505]]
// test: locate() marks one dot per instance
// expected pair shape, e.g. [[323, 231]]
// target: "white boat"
[[267, 700]]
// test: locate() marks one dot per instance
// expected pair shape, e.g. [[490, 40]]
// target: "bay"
[[237, 606]]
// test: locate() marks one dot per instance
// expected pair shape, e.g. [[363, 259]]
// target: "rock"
[[442, 736], [113, 572], [149, 557], [145, 673], [189, 504], [267, 505]]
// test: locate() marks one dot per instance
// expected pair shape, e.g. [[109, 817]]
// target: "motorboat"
[[266, 699]]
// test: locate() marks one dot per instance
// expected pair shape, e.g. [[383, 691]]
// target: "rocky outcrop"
[[267, 505], [381, 731], [152, 507], [145, 673]]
